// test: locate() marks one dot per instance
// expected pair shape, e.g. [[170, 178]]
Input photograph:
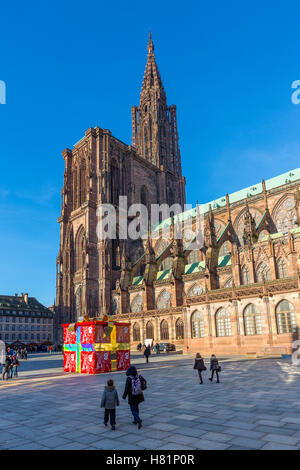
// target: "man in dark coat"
[[6, 367], [214, 367], [135, 383]]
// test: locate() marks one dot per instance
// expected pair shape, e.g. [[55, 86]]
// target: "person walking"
[[215, 368], [109, 401], [15, 365], [135, 384], [6, 367], [199, 366], [147, 353]]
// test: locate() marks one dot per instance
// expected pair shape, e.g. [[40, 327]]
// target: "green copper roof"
[[224, 261], [137, 280], [194, 267], [271, 183], [163, 275]]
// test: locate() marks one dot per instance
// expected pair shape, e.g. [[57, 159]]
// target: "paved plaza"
[[256, 406]]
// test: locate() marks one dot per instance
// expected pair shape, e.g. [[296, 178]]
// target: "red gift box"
[[69, 361], [123, 360], [87, 362], [100, 334]]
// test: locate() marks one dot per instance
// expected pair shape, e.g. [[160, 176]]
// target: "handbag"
[[218, 369]]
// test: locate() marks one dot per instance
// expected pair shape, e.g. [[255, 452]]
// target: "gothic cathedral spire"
[[154, 123]]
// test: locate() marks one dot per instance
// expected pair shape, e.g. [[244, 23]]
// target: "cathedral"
[[236, 294]]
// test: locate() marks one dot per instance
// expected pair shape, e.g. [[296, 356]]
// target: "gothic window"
[[285, 315], [224, 250], [78, 301], [282, 268], [137, 304], [164, 330], [239, 223], [75, 186], [82, 184], [263, 273], [179, 327], [193, 257], [79, 249], [166, 264], [223, 322], [144, 198], [149, 330], [114, 183], [197, 325], [285, 215], [160, 247], [136, 334], [163, 300], [252, 320], [196, 289], [228, 283], [245, 275]]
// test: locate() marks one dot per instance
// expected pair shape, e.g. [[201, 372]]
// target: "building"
[[24, 319], [98, 170], [237, 294]]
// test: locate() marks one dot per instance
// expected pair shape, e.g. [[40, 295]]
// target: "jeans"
[[135, 413], [15, 371], [110, 414]]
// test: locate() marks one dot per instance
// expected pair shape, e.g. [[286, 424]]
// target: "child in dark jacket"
[[109, 401]]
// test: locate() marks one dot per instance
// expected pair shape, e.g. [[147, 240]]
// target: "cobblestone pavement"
[[256, 406]]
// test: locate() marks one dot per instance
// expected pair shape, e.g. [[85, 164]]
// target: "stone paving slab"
[[247, 410]]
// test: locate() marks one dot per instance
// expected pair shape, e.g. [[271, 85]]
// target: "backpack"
[[136, 385]]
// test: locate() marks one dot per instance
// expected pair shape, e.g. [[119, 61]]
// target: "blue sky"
[[69, 65]]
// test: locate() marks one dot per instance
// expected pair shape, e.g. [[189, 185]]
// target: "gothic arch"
[[164, 330], [179, 329], [282, 268], [195, 289], [239, 221], [136, 332], [284, 213], [137, 304], [149, 330], [163, 300], [263, 272], [79, 248]]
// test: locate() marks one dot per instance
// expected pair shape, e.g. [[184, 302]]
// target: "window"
[[164, 330], [245, 275], [252, 321], [166, 264], [223, 322], [179, 327], [281, 268], [197, 325], [193, 257], [228, 283], [196, 289], [149, 331], [137, 304], [136, 332], [285, 315], [163, 300], [263, 273]]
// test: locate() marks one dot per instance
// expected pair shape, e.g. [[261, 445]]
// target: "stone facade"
[[98, 170]]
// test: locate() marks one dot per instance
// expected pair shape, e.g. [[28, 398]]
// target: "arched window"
[[163, 300], [149, 330], [228, 283], [282, 268], [223, 322], [136, 334], [193, 257], [263, 273], [285, 215], [82, 183], [196, 289], [224, 250], [79, 249], [137, 304], [252, 320], [164, 330], [245, 275], [197, 325], [285, 315], [179, 326]]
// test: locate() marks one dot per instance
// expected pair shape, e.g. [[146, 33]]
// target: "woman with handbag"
[[214, 367], [199, 366]]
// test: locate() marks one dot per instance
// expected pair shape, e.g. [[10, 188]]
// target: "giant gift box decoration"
[[97, 346]]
